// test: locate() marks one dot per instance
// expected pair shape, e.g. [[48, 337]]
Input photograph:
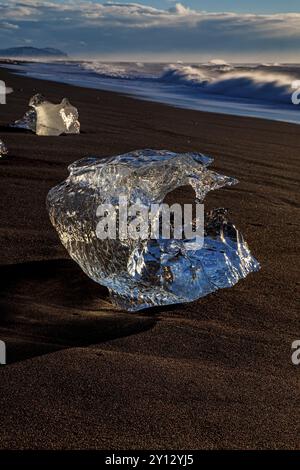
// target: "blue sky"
[[267, 30]]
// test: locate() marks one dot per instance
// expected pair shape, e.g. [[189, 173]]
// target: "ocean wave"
[[185, 75], [132, 71], [250, 84], [106, 70], [270, 64], [215, 77]]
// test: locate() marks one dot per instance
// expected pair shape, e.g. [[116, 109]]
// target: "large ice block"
[[148, 272], [48, 119], [3, 149]]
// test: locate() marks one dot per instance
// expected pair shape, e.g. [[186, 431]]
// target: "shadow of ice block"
[[141, 273], [48, 119]]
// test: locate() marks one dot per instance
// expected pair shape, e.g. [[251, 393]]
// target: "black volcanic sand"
[[215, 373]]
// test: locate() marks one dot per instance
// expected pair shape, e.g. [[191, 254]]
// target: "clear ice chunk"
[[147, 273], [3, 149], [56, 119], [48, 119]]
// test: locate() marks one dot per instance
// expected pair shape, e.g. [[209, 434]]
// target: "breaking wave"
[[250, 84], [216, 78]]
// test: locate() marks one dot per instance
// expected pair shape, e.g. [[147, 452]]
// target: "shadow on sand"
[[51, 305], [14, 130]]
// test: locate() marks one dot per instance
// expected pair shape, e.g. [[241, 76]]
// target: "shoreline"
[[213, 104], [186, 377]]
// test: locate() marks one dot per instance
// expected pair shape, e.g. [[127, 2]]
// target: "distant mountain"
[[31, 52]]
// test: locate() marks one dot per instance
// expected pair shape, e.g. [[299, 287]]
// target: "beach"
[[212, 374]]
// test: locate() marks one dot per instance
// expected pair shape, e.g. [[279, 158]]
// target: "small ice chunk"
[[50, 119], [3, 149], [56, 119]]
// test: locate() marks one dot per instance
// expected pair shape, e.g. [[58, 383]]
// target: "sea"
[[267, 90]]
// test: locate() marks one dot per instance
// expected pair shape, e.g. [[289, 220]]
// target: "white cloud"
[[134, 14], [131, 24], [180, 9]]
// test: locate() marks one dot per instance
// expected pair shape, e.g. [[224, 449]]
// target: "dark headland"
[[27, 52]]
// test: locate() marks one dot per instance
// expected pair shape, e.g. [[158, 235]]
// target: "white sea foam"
[[132, 71]]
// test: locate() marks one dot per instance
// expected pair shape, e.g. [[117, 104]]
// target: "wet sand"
[[215, 373]]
